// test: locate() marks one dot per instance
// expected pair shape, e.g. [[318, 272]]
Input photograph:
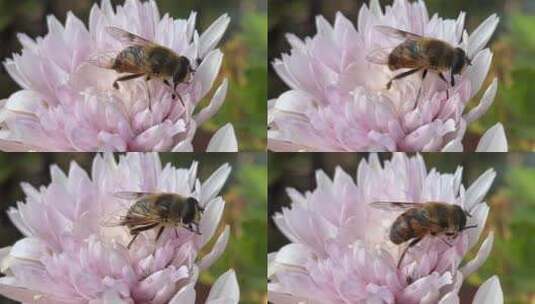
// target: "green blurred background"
[[513, 46], [245, 211], [244, 46], [511, 200]]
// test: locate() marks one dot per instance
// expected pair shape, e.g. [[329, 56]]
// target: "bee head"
[[460, 61], [192, 211], [182, 69]]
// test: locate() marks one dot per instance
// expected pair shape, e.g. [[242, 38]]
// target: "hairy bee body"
[[430, 53], [418, 53], [431, 218], [143, 58], [419, 220], [163, 210]]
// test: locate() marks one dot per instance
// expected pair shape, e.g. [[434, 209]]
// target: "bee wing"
[[131, 195], [379, 56], [394, 206], [396, 33], [104, 60], [112, 220], [126, 37]]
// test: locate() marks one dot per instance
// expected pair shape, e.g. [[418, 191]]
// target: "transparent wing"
[[396, 33], [132, 195], [104, 60], [126, 37], [394, 206], [379, 56], [112, 221]]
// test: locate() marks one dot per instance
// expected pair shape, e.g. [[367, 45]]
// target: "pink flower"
[[340, 251], [67, 255], [338, 99], [69, 104]]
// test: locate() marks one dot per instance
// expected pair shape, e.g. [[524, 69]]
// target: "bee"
[[143, 58], [162, 210], [422, 219], [419, 53]]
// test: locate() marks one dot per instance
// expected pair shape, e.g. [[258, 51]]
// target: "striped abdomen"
[[410, 224]]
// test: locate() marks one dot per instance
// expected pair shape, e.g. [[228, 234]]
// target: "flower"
[[338, 99], [69, 255], [339, 251], [69, 104]]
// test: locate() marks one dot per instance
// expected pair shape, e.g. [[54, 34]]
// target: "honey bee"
[[422, 219], [419, 53], [162, 210], [142, 57]]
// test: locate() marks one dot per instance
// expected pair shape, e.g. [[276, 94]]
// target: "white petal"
[[479, 70], [450, 298], [207, 72], [225, 289], [481, 35], [25, 295], [290, 257], [453, 146], [484, 104], [215, 104], [224, 140], [481, 256], [185, 295], [210, 38], [210, 220], [183, 146], [29, 249], [216, 181], [494, 140], [24, 101], [479, 189], [490, 292], [217, 250]]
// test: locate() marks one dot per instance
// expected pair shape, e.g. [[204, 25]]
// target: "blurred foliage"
[[513, 46], [513, 216], [245, 211], [244, 46], [511, 200], [514, 66]]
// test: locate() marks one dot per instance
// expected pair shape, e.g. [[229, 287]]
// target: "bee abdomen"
[[129, 59], [401, 230], [412, 223]]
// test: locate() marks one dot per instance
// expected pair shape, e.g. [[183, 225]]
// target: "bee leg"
[[411, 244], [446, 242], [402, 75], [173, 96], [125, 78], [159, 233], [452, 80], [132, 241], [446, 81]]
